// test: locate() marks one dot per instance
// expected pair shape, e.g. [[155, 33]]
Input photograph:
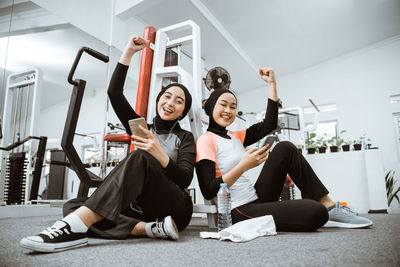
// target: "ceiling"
[[237, 35], [287, 35]]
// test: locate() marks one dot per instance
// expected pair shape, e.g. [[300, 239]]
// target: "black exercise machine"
[[86, 177]]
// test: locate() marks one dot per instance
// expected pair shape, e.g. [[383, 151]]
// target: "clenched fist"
[[136, 44], [267, 74]]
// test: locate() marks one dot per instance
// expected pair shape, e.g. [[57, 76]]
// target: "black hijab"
[[162, 125], [209, 108]]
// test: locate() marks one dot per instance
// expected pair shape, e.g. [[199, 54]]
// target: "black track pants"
[[300, 215], [139, 178]]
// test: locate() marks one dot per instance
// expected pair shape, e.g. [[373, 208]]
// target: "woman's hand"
[[151, 144], [268, 75], [254, 157], [250, 159], [134, 45]]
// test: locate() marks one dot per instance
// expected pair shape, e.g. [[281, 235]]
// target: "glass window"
[[328, 128]]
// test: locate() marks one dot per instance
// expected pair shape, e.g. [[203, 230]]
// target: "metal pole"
[[15, 107], [179, 60], [26, 113], [21, 93]]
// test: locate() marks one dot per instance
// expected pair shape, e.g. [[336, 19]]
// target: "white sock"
[[149, 232], [77, 225]]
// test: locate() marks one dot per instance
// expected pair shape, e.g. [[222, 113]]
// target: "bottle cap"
[[222, 184]]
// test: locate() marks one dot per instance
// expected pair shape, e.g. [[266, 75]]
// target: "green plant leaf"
[[390, 182]]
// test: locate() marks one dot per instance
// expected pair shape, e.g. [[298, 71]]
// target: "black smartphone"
[[270, 140]]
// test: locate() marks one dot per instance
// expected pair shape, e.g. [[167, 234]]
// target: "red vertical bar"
[[142, 97], [146, 64]]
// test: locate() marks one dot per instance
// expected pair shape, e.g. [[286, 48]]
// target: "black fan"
[[217, 78]]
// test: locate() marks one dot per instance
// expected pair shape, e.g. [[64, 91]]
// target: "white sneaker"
[[166, 229], [59, 237]]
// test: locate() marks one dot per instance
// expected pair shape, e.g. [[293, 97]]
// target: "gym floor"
[[377, 246]]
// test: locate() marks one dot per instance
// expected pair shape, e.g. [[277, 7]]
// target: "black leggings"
[[138, 179], [301, 215]]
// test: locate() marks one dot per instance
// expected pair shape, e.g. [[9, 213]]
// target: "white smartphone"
[[134, 126]]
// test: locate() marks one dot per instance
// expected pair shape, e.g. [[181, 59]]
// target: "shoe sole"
[[170, 228], [52, 247], [333, 224]]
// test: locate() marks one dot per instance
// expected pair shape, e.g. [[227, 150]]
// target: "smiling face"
[[225, 110], [171, 103]]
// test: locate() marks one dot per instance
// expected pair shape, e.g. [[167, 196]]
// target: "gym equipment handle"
[[20, 142], [96, 54], [91, 52]]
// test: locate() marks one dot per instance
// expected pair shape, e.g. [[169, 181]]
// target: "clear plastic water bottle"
[[224, 207], [364, 145]]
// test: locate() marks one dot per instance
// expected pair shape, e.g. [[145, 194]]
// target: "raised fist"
[[267, 74], [136, 44]]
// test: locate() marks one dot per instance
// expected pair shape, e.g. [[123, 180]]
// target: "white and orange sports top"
[[227, 153]]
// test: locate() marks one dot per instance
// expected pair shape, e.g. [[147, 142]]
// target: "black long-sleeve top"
[[205, 169], [180, 146]]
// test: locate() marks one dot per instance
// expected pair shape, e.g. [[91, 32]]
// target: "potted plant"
[[336, 141], [357, 144], [322, 144], [333, 147], [346, 145], [95, 163], [361, 142], [311, 143], [300, 148]]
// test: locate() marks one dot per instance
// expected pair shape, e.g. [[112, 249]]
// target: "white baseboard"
[[18, 211]]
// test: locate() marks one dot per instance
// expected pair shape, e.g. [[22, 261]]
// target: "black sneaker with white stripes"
[[59, 237]]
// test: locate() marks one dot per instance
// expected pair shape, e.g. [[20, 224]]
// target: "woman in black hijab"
[[221, 157], [145, 195]]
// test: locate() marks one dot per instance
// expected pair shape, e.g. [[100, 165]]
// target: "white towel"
[[245, 230]]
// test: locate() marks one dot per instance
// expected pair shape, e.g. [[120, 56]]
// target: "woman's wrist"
[[272, 84], [272, 92], [126, 57], [164, 160], [242, 167]]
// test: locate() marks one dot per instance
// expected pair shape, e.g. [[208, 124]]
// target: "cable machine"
[[21, 156]]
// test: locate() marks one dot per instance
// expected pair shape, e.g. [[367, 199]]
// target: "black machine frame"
[[86, 177]]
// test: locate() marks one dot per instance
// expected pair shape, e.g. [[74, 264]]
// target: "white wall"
[[359, 83]]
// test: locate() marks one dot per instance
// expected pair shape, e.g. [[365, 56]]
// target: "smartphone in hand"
[[134, 126], [271, 141]]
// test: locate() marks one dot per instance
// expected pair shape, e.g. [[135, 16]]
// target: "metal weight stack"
[[15, 180], [288, 192]]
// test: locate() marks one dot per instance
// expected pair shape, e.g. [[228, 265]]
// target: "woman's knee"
[[141, 155], [285, 146], [316, 215]]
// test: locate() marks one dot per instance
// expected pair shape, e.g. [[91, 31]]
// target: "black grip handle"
[[96, 54], [91, 52]]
